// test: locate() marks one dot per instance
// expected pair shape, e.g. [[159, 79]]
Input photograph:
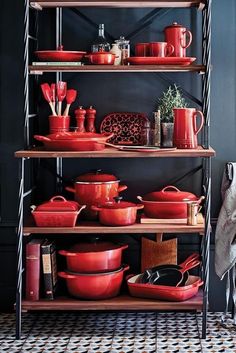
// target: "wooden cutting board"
[[158, 252]]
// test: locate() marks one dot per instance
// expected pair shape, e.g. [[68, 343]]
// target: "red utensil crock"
[[185, 127], [176, 35], [142, 49], [161, 49], [59, 123]]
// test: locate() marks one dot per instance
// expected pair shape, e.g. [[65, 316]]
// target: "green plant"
[[171, 98]]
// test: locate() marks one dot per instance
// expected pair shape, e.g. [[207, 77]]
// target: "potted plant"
[[171, 98]]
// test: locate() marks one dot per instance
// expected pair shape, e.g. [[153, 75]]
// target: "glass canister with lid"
[[125, 49]]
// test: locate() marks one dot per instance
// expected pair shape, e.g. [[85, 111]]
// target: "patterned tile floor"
[[115, 333]]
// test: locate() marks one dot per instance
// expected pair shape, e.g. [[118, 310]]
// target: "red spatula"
[[61, 94], [53, 94], [71, 95], [48, 96]]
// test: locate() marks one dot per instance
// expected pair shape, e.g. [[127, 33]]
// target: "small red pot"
[[142, 49], [95, 285], [59, 124], [120, 213], [91, 258], [101, 58]]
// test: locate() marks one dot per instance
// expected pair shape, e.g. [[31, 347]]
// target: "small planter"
[[167, 134], [58, 124]]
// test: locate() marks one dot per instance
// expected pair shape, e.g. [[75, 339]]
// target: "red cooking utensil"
[[53, 94], [48, 96], [61, 94], [71, 95]]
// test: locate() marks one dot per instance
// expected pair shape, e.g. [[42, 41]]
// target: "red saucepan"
[[118, 213], [167, 293], [74, 141], [95, 257], [101, 58], [96, 188], [170, 202], [59, 55], [95, 285]]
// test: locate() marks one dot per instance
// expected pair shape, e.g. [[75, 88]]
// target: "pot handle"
[[95, 208], [123, 247], [58, 197], [139, 207], [66, 275], [191, 265], [70, 189], [140, 198], [126, 268], [41, 138], [122, 188], [198, 284], [187, 32], [170, 187], [195, 121], [194, 256]]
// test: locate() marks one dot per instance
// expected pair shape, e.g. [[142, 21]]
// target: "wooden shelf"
[[122, 302], [40, 69], [122, 3], [95, 227], [39, 152]]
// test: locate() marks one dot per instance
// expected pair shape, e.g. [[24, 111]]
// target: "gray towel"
[[225, 237]]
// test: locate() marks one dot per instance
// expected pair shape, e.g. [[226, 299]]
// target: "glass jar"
[[125, 49], [100, 43]]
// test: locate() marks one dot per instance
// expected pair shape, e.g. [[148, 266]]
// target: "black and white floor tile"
[[116, 333]]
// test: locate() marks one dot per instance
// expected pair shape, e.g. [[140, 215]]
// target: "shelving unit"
[[124, 301]]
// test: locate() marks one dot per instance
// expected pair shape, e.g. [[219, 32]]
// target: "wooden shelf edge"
[[122, 302], [112, 153], [39, 5]]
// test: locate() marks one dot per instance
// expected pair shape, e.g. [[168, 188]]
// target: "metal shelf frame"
[[206, 182]]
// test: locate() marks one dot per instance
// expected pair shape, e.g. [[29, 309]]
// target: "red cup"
[[161, 49], [142, 49], [59, 123]]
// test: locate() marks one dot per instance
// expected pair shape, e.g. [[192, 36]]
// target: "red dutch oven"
[[170, 202], [101, 58], [91, 258], [118, 213], [59, 55], [96, 188], [94, 285]]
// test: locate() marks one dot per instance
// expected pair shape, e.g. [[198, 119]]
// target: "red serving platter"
[[59, 55], [153, 60]]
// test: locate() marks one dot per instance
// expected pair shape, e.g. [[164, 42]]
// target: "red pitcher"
[[185, 127], [177, 36]]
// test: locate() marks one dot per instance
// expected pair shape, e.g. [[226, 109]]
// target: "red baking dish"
[[94, 285], [59, 55], [94, 257], [57, 212], [168, 293]]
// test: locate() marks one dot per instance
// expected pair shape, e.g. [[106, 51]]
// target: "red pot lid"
[[94, 247], [170, 193], [175, 25], [96, 176], [117, 204], [75, 135], [58, 203]]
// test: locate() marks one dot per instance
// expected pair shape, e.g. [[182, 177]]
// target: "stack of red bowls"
[[94, 270]]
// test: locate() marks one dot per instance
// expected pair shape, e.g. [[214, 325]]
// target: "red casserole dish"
[[59, 55], [101, 58], [74, 141], [95, 285], [91, 258], [168, 293], [57, 212]]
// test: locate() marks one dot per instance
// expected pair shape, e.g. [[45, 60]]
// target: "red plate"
[[59, 55], [152, 60]]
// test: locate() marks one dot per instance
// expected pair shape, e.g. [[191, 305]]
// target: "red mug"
[[185, 127], [142, 49], [59, 123], [177, 36], [161, 49]]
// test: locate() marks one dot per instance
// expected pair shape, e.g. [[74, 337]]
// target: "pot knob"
[[118, 199]]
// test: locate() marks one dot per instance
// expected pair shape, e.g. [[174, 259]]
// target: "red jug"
[[185, 127], [177, 36]]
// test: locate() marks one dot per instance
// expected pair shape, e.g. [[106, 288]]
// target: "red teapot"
[[176, 35]]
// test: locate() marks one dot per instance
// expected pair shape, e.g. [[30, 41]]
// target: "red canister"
[[176, 35]]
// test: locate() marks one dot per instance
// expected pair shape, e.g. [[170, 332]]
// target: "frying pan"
[[146, 276], [172, 276]]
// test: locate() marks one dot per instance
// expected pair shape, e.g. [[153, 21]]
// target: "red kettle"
[[185, 127], [176, 35]]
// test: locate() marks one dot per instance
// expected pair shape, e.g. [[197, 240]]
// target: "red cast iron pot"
[[170, 202], [101, 58], [168, 293], [96, 188], [95, 285], [59, 55], [74, 141], [177, 36], [91, 258], [119, 213]]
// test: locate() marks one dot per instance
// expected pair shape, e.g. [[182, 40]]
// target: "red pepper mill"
[[80, 118], [90, 119]]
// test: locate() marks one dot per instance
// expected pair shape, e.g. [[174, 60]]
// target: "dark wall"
[[114, 92]]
